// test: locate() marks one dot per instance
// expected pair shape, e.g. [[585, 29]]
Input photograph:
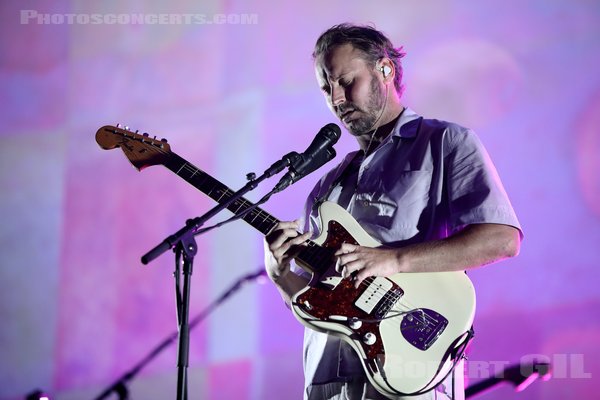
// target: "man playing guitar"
[[425, 189]]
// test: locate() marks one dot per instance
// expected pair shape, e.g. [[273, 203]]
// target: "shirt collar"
[[402, 128]]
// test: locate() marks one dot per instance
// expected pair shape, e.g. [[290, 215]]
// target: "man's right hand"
[[280, 248]]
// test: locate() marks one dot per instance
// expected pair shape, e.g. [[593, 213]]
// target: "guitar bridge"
[[422, 327]]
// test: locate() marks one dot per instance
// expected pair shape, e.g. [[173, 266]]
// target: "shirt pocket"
[[391, 206]]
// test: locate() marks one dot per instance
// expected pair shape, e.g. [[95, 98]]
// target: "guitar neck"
[[257, 218], [310, 256]]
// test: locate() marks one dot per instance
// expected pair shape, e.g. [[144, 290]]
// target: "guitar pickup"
[[380, 295]]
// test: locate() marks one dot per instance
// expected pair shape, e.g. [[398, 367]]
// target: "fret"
[[238, 204], [259, 215], [254, 217], [180, 168], [221, 196]]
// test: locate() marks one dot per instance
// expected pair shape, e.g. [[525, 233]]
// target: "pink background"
[[77, 309]]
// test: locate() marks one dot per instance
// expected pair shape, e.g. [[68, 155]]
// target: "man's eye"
[[345, 83]]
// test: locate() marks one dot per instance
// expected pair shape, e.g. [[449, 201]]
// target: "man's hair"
[[373, 43]]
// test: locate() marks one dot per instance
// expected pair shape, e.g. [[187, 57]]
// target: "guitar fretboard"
[[313, 256], [258, 218]]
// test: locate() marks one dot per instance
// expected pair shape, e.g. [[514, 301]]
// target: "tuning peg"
[[137, 131], [163, 140], [146, 134], [118, 125]]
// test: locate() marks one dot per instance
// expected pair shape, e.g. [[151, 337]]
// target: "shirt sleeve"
[[475, 192]]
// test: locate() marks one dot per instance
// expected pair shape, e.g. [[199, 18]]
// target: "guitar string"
[[366, 282], [425, 319], [387, 296], [405, 306]]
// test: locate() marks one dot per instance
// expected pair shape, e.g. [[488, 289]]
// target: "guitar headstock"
[[141, 150]]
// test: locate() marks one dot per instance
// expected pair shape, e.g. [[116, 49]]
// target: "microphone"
[[319, 152]]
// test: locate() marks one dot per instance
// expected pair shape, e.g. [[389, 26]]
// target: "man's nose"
[[338, 96]]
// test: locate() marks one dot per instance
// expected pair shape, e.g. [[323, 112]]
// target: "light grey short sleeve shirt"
[[426, 181]]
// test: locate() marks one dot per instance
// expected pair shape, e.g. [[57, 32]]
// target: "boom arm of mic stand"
[[194, 224], [520, 375]]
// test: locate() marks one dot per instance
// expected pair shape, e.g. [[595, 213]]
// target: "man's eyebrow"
[[334, 78], [342, 75]]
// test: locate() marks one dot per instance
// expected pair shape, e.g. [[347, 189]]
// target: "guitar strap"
[[348, 169]]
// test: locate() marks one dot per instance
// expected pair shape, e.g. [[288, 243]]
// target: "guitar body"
[[405, 328]]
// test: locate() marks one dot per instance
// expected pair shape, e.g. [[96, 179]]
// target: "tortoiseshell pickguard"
[[326, 300]]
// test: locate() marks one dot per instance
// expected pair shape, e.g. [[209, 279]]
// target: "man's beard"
[[366, 122]]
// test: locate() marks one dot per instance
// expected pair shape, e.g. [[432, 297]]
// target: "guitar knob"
[[145, 134], [369, 338], [354, 323]]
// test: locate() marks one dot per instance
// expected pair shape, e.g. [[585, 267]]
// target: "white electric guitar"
[[408, 330]]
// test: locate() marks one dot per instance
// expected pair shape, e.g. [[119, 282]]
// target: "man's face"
[[351, 88]]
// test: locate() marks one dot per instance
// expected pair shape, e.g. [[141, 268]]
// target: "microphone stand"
[[120, 385], [519, 375], [186, 248]]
